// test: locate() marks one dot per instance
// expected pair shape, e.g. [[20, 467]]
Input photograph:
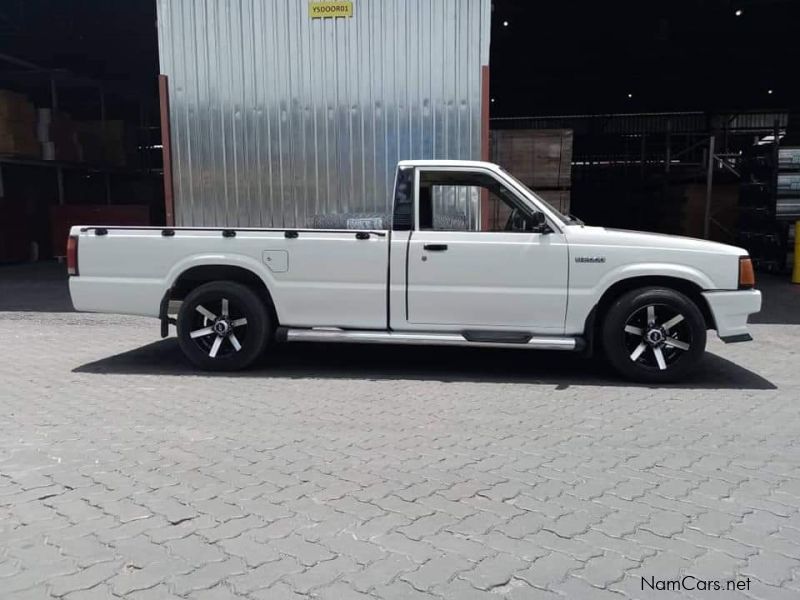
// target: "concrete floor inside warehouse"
[[386, 472]]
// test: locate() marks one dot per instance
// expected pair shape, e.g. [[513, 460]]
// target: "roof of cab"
[[447, 163]]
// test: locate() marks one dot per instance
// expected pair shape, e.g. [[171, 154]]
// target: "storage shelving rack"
[[59, 89]]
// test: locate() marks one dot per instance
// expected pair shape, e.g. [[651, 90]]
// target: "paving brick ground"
[[366, 473]]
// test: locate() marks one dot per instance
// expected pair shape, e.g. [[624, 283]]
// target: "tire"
[[654, 335], [223, 326]]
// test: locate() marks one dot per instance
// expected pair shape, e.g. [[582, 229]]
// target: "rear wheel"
[[654, 335], [223, 326]]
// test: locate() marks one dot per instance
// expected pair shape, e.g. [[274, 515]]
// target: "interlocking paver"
[[436, 571], [576, 588], [307, 553], [321, 574], [85, 579], [207, 576], [476, 524], [494, 571], [674, 545], [400, 590], [721, 544], [252, 552], [140, 550], [573, 547], [154, 481], [770, 568], [282, 591], [380, 573], [35, 576], [346, 544], [195, 550], [762, 591], [125, 531], [337, 591], [280, 529], [133, 578], [463, 590], [452, 543], [412, 510], [715, 565], [602, 571], [219, 592], [86, 550], [772, 543], [231, 528], [266, 575], [526, 592], [399, 544], [520, 547], [549, 570], [378, 526], [103, 592], [428, 525], [624, 547]]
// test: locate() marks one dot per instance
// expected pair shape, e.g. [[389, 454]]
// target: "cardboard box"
[[17, 125], [724, 211], [63, 134], [18, 138], [16, 107], [541, 158]]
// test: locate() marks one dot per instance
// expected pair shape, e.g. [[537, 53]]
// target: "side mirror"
[[538, 224]]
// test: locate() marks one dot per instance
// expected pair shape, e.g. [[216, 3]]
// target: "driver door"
[[473, 261]]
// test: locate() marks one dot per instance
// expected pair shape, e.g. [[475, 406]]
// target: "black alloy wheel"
[[223, 326], [654, 335]]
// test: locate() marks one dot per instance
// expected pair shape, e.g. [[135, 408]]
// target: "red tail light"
[[72, 255]]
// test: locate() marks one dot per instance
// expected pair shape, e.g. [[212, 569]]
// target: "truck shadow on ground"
[[372, 362]]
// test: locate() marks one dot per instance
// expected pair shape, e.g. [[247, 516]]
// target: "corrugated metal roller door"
[[277, 117]]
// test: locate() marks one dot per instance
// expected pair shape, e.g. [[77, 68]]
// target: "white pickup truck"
[[469, 256]]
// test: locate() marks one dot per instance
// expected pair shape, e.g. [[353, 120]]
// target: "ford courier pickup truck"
[[469, 256]]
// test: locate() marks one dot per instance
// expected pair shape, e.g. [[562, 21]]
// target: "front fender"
[[652, 269], [584, 296]]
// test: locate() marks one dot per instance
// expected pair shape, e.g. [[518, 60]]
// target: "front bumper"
[[730, 311]]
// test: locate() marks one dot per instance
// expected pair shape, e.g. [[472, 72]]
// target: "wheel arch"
[[196, 275], [689, 288]]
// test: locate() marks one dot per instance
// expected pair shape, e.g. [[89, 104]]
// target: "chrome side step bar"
[[422, 338]]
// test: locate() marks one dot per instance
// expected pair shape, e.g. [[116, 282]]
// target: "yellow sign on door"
[[321, 10]]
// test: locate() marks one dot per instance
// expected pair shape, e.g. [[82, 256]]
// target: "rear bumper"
[[730, 310]]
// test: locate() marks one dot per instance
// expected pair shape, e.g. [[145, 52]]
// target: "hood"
[[642, 239]]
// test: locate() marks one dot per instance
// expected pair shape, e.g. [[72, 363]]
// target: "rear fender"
[[227, 260]]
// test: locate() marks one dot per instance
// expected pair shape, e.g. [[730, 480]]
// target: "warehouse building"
[[676, 117], [282, 117]]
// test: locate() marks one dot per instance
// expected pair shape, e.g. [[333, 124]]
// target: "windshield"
[[553, 209]]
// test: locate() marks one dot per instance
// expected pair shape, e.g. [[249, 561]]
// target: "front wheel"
[[654, 335], [223, 326]]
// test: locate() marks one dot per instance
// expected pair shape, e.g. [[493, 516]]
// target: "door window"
[[465, 201]]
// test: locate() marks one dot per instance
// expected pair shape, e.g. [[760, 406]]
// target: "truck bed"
[[129, 269]]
